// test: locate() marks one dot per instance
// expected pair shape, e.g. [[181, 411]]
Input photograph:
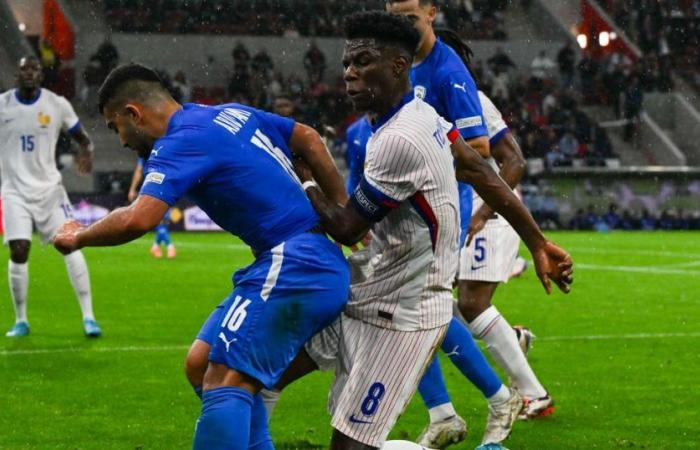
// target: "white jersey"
[[28, 136], [496, 127], [403, 280]]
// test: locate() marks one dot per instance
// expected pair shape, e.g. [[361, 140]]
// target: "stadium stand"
[[667, 32], [568, 108], [476, 19]]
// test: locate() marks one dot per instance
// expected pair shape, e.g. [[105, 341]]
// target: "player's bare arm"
[[551, 262], [510, 159], [85, 154], [135, 182], [342, 222], [307, 144], [119, 227], [481, 145]]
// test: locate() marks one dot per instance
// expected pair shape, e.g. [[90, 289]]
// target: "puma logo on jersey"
[[154, 152], [454, 351], [461, 86], [222, 336]]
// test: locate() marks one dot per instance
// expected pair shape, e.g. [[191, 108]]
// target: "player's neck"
[[166, 114], [27, 95], [392, 101], [425, 47]]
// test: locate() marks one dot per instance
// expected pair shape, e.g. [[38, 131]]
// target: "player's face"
[[368, 75], [421, 16], [125, 121], [30, 74], [284, 107]]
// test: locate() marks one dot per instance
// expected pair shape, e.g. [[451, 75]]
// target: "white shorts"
[[377, 373], [491, 253], [47, 214]]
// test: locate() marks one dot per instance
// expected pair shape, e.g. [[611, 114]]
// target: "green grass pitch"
[[619, 355]]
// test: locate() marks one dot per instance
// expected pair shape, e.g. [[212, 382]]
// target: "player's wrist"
[[308, 184]]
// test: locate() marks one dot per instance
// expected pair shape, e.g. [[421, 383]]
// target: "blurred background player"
[[161, 230], [31, 119]]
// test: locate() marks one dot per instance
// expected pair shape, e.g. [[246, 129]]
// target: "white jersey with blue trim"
[[28, 134], [497, 128], [403, 279]]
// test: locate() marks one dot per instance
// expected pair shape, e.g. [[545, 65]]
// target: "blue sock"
[[225, 420], [198, 391], [460, 347], [432, 386], [260, 438]]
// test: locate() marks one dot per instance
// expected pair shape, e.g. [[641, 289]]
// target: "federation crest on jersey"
[[419, 92], [44, 120]]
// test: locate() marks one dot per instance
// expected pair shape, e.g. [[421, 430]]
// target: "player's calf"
[[339, 441]]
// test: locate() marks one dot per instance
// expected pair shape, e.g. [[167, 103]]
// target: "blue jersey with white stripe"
[[356, 138], [234, 162], [443, 81]]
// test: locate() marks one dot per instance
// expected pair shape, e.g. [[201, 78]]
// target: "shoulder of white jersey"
[[414, 119], [6, 97], [495, 124]]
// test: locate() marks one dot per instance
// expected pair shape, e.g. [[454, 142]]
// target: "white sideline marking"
[[626, 251], [607, 337], [640, 269], [165, 348], [133, 348]]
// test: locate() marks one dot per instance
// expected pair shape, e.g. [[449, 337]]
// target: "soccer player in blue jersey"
[[162, 231], [235, 163], [356, 138]]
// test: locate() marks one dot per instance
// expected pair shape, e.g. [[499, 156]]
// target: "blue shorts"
[[286, 296]]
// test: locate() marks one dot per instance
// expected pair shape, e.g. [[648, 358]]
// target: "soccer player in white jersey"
[[487, 260], [401, 285], [31, 119]]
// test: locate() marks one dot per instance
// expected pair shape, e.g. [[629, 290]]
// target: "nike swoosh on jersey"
[[353, 419], [478, 267]]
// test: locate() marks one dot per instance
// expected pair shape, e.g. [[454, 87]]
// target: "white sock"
[[18, 276], [270, 398], [441, 412], [80, 279], [502, 343], [502, 395]]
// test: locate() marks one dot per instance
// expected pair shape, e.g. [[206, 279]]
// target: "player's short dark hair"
[[128, 75], [30, 56], [387, 28]]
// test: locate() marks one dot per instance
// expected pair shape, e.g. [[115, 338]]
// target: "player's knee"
[[19, 251], [473, 299], [196, 362]]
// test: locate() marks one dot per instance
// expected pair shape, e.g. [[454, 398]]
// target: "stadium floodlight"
[[604, 38], [22, 26], [582, 40]]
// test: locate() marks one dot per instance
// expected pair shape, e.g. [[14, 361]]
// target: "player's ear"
[[400, 64], [432, 13], [133, 111]]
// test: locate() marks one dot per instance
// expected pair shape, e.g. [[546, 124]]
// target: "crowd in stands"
[[476, 19], [543, 112], [664, 30], [667, 219]]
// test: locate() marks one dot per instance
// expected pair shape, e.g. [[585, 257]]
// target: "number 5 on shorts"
[[371, 402]]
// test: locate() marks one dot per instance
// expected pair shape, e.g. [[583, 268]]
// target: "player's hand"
[[302, 169], [477, 224], [66, 239], [552, 263], [84, 163], [131, 196]]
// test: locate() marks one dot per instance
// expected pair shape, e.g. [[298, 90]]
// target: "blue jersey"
[[234, 162], [443, 81], [356, 137]]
